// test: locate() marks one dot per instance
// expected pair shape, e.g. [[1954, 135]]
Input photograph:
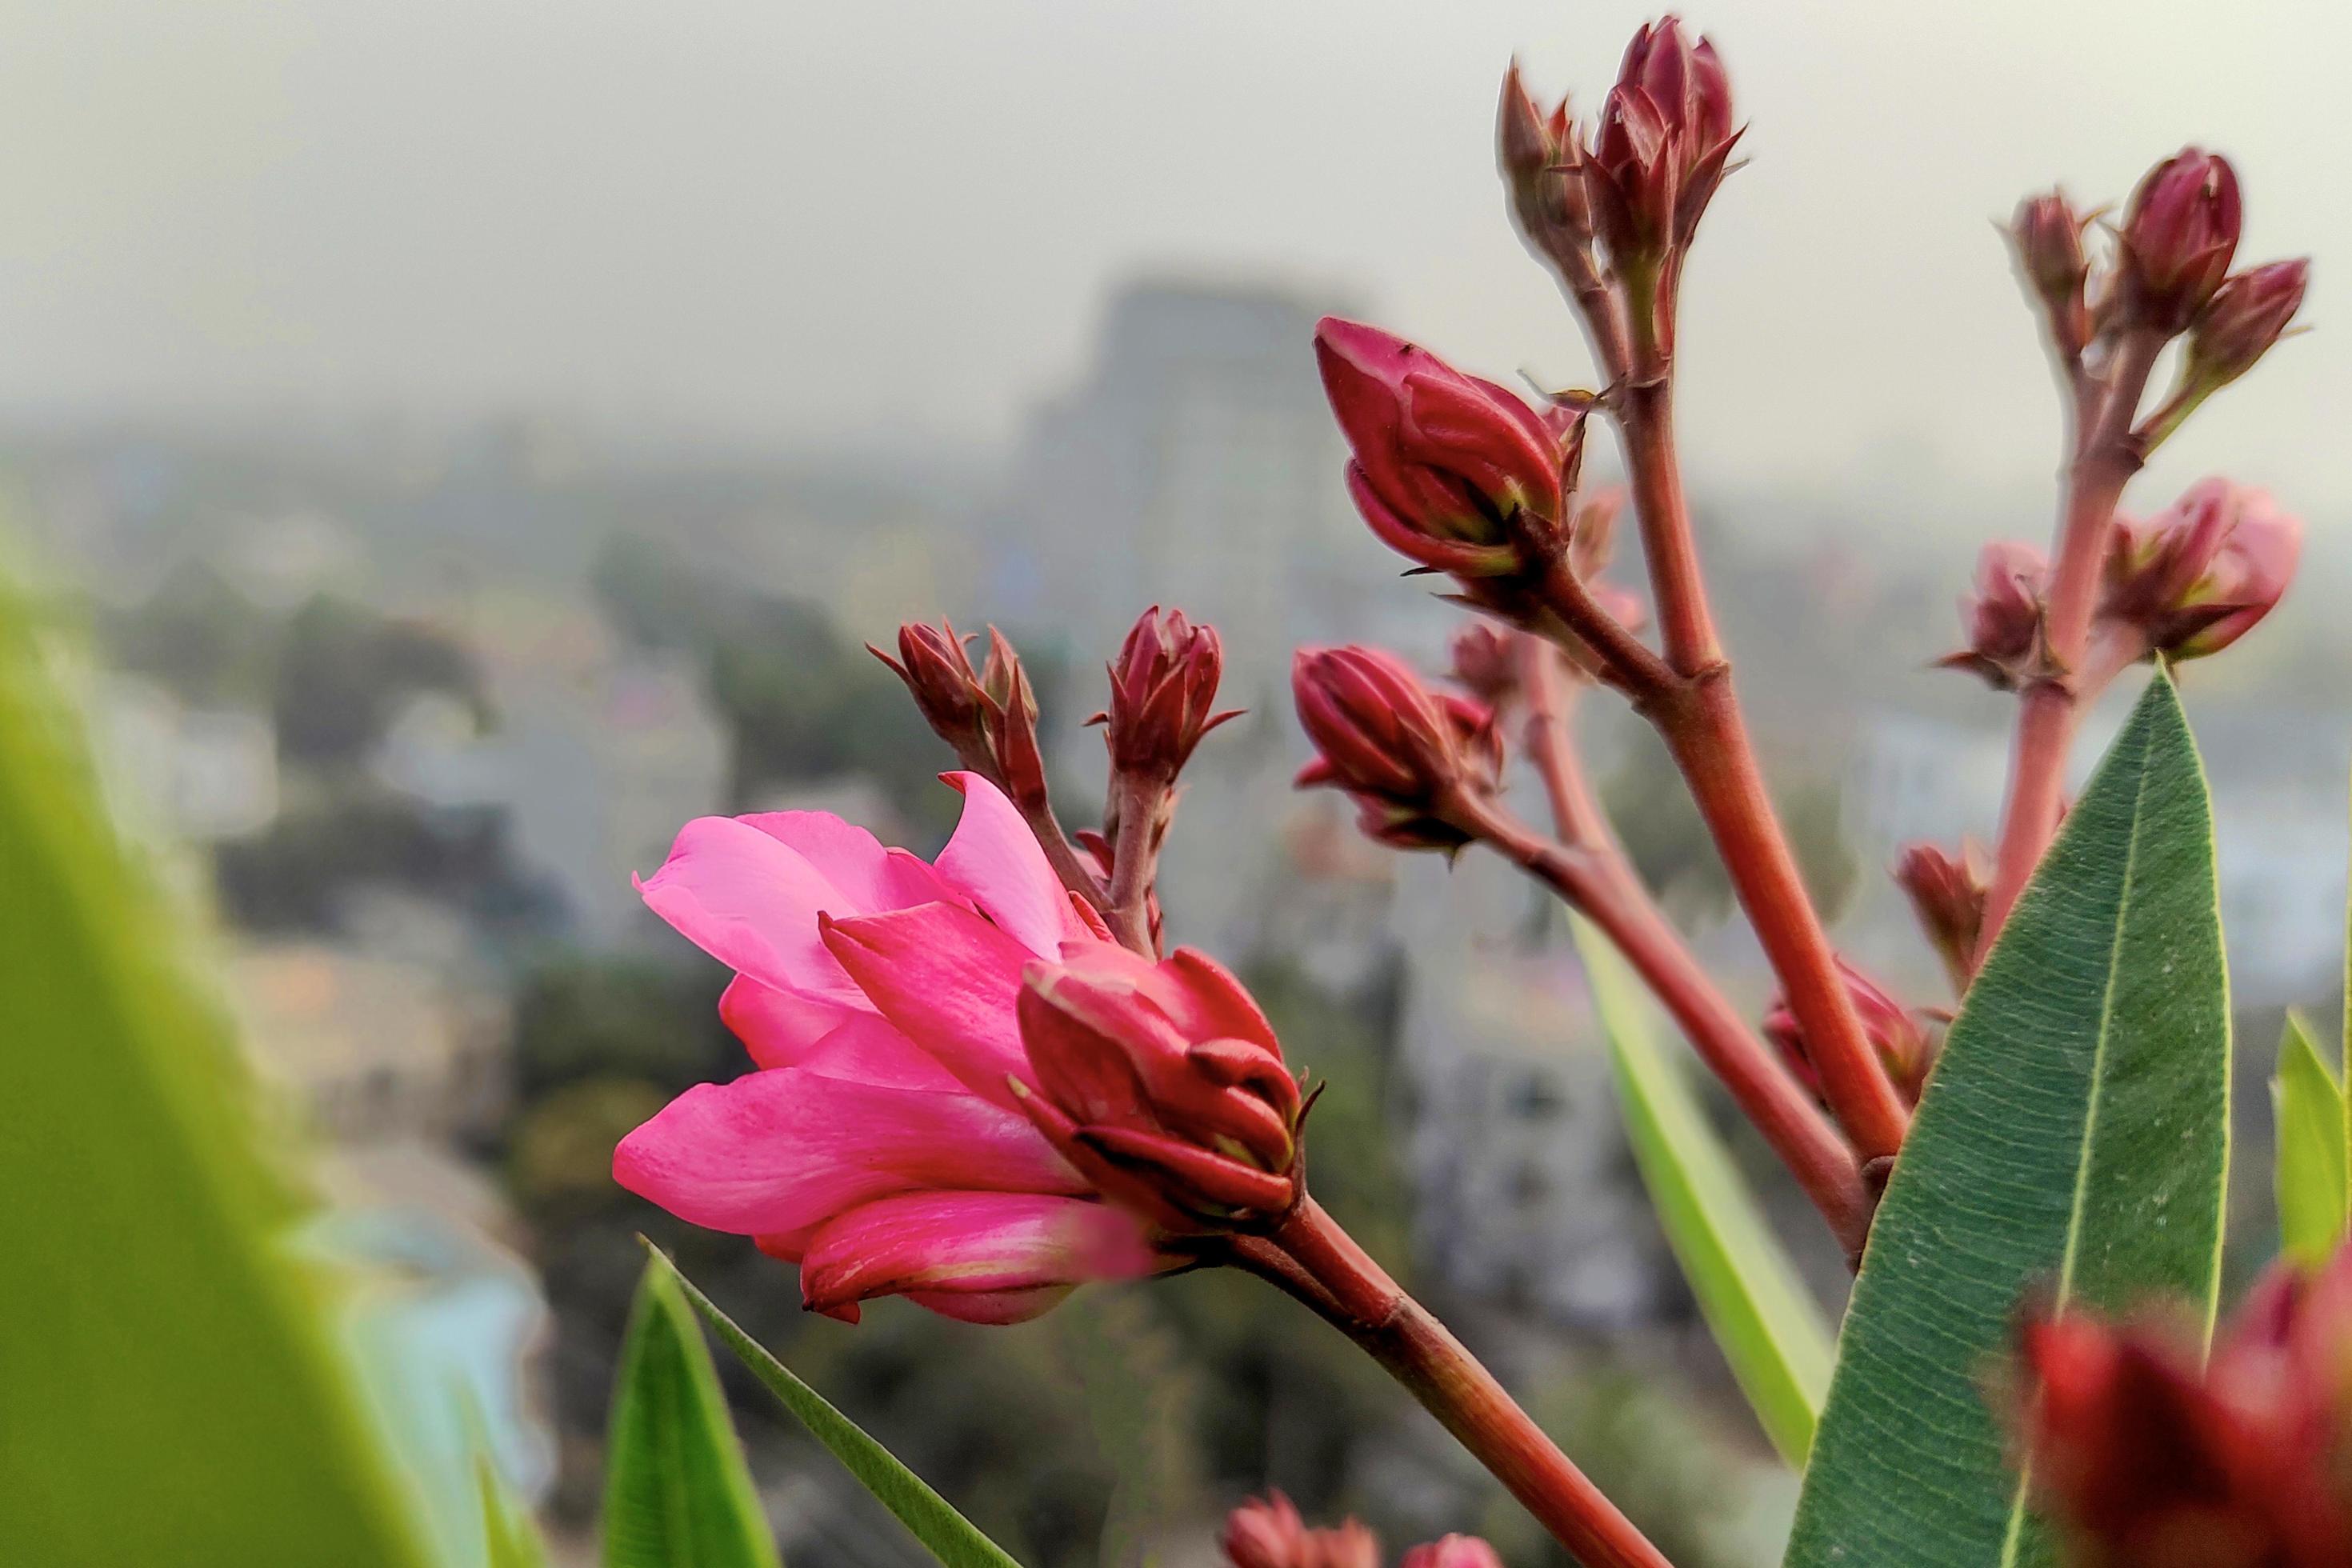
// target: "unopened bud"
[[1452, 1551], [1011, 721], [1904, 1046], [2239, 324], [2178, 238], [2199, 575], [2002, 617], [1542, 156], [1947, 895], [1401, 751], [2048, 235], [1268, 1534], [1448, 470], [1163, 694], [939, 677], [1665, 137], [1484, 660], [1165, 1082]]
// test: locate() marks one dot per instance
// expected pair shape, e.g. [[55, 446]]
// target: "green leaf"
[[509, 1539], [1769, 1329], [2074, 1142], [677, 1491], [951, 1537], [170, 1387], [2313, 1157]]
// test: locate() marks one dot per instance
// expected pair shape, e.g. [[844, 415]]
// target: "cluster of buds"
[[1947, 895], [2198, 576], [1663, 145], [1163, 695], [2150, 1455], [1268, 1534], [1163, 1084], [1906, 1046], [988, 715], [2002, 617], [1406, 754]]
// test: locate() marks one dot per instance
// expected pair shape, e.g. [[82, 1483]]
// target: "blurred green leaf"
[[677, 1491], [949, 1536], [1769, 1329], [508, 1538], [2313, 1158], [2074, 1140], [169, 1389]]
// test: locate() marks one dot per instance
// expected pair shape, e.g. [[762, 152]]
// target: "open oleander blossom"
[[899, 1137]]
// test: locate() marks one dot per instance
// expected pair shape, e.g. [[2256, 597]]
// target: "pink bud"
[[1165, 1081], [1453, 1552], [1903, 1045], [2002, 617], [1484, 661], [2196, 577], [1268, 1534], [1666, 135], [1400, 750], [2244, 319], [2179, 236], [2048, 235], [1542, 156], [1444, 463], [1163, 693], [1947, 895], [939, 677], [1010, 719]]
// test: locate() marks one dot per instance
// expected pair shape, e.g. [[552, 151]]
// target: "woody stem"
[[1138, 810], [1317, 1262]]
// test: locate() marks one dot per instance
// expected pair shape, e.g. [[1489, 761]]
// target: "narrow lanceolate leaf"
[[170, 1389], [2313, 1157], [509, 1539], [1768, 1328], [2072, 1146], [676, 1492], [949, 1536]]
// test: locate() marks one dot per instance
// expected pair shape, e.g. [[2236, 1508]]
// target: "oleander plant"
[[986, 1081]]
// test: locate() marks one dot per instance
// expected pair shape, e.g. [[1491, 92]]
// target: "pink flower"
[[881, 1145], [1453, 1552], [1442, 461], [1268, 1534], [2198, 576]]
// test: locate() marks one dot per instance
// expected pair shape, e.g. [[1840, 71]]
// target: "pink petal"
[[751, 901], [947, 1244], [869, 877], [949, 981], [782, 1030], [778, 1150], [992, 1308], [995, 858]]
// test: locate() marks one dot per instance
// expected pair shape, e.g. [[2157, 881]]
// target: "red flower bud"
[[1904, 1046], [1164, 1082], [2048, 235], [1665, 136], [989, 715], [1453, 1552], [939, 677], [1947, 894], [1163, 690], [1484, 660], [2245, 318], [2178, 237], [2002, 617], [2196, 577], [1268, 1534], [1397, 748], [1542, 156], [2150, 1461], [1011, 721], [1444, 464]]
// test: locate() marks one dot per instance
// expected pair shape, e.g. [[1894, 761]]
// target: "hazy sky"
[[794, 221]]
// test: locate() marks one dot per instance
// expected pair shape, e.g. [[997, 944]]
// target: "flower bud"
[[2179, 235], [1484, 660], [2196, 577], [1665, 136], [1904, 1046], [1268, 1534], [1947, 895], [2002, 617], [2239, 324], [2149, 1455], [1163, 691], [1010, 719], [1448, 470], [1163, 1081], [1397, 748], [939, 677], [1542, 157], [1453, 1552], [2048, 235]]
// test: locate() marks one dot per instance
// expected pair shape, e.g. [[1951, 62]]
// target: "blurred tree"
[[1653, 815], [343, 672]]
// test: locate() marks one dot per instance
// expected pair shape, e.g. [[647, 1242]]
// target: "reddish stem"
[[1701, 722], [2106, 456], [1356, 1295], [1139, 807]]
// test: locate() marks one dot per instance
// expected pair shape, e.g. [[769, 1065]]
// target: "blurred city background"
[[467, 442]]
